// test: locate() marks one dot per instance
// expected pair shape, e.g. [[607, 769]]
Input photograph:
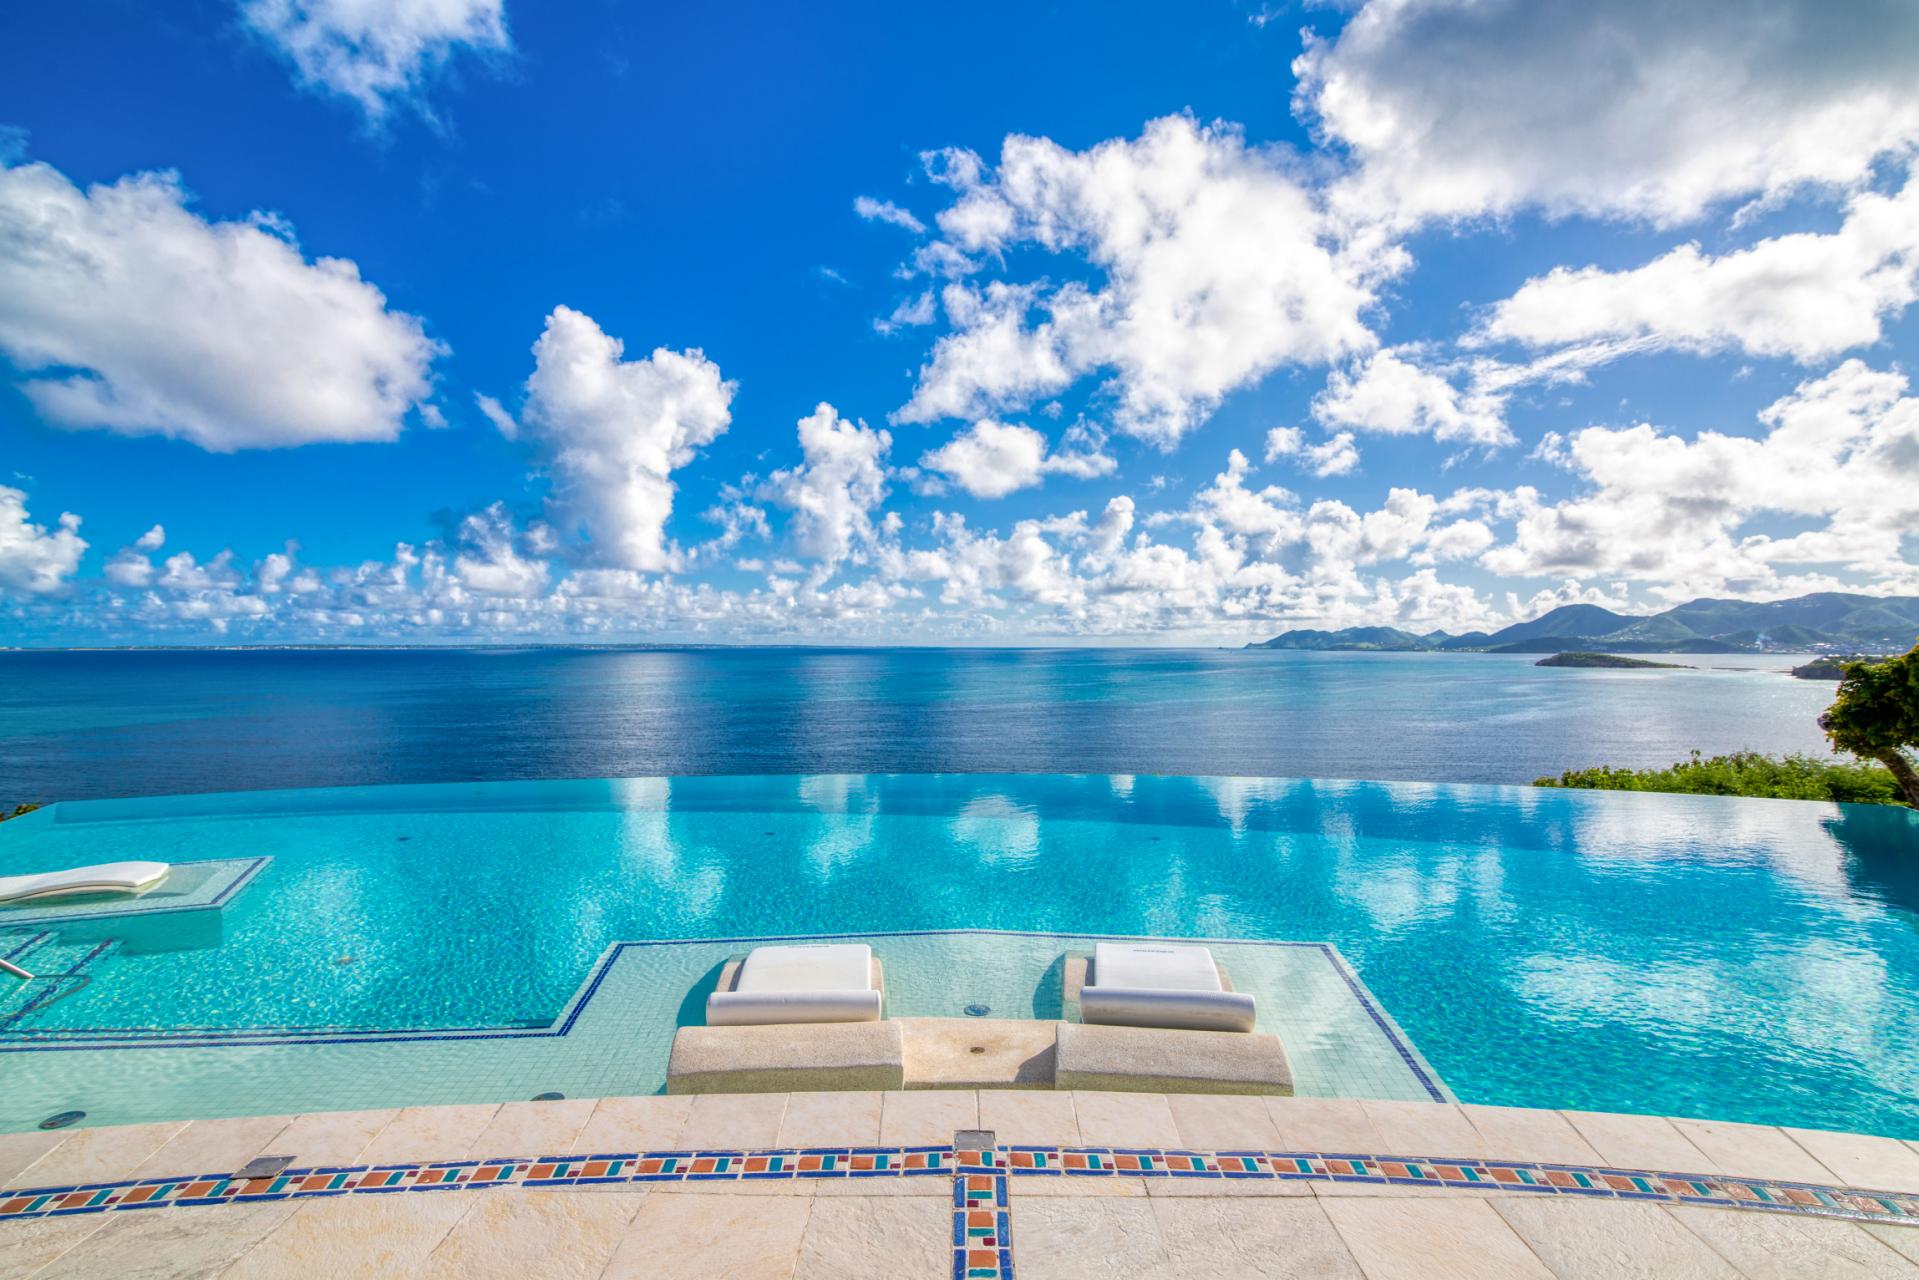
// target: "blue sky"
[[1159, 323]]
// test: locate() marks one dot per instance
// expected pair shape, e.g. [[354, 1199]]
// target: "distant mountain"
[[1566, 620], [1356, 638], [1827, 620]]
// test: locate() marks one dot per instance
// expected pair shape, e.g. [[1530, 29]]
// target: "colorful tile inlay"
[[982, 1242]]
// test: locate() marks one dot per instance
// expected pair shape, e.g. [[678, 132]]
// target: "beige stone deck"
[[1062, 1227]]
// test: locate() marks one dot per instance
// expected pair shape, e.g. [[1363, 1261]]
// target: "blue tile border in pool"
[[32, 1041]]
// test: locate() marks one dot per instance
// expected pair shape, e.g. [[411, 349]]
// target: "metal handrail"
[[8, 966]]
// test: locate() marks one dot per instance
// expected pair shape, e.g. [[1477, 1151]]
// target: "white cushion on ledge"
[[105, 877], [808, 966], [1160, 965]]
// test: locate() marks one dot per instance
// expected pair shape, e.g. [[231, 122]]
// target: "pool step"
[[59, 969]]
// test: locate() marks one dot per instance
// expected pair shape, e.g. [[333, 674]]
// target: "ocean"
[[81, 725]]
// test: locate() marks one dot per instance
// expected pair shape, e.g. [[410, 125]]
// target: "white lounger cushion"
[[1141, 984], [1165, 965], [807, 982], [105, 877]]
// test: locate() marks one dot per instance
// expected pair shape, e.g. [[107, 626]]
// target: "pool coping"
[[81, 1040]]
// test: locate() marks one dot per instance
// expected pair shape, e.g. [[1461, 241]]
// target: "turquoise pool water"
[[1750, 960]]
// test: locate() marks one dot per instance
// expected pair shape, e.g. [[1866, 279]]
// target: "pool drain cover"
[[62, 1120], [977, 1010], [264, 1167]]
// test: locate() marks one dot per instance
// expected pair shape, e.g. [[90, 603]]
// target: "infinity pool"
[[1742, 959]]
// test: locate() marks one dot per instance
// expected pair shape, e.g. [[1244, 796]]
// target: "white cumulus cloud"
[[992, 459], [131, 312], [1804, 296], [834, 490], [376, 52], [1640, 108], [1391, 394], [614, 430], [33, 559], [1217, 271]]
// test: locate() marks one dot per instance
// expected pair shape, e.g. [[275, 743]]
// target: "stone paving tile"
[[171, 1244], [1227, 1188], [652, 1123], [322, 1138], [1418, 1239], [1517, 1133], [1424, 1129], [700, 1237], [1756, 1150], [429, 1133], [1089, 1238], [1323, 1124], [19, 1152], [213, 1146], [877, 1238], [26, 1247], [352, 1236], [1277, 1238], [1768, 1246], [1030, 1117], [733, 1121], [534, 1128], [1124, 1119], [1031, 1188], [1903, 1240], [1581, 1240], [106, 1154], [534, 1235], [844, 1119], [926, 1117], [1885, 1164], [1223, 1122], [1640, 1142]]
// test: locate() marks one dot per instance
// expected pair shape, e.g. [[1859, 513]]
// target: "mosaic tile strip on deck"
[[974, 1197]]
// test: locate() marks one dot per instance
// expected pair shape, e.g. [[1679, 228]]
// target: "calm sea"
[[81, 725]]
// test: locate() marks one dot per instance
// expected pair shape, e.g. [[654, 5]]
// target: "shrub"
[[1747, 773]]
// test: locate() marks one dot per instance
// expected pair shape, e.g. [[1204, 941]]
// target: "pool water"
[[1742, 959]]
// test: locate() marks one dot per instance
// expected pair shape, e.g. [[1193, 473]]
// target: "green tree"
[[1876, 715]]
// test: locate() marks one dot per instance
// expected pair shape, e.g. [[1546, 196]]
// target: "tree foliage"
[[1746, 773], [1876, 716]]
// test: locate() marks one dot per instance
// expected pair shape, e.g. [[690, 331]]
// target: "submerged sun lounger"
[[803, 1017], [105, 877], [1161, 984], [806, 982]]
